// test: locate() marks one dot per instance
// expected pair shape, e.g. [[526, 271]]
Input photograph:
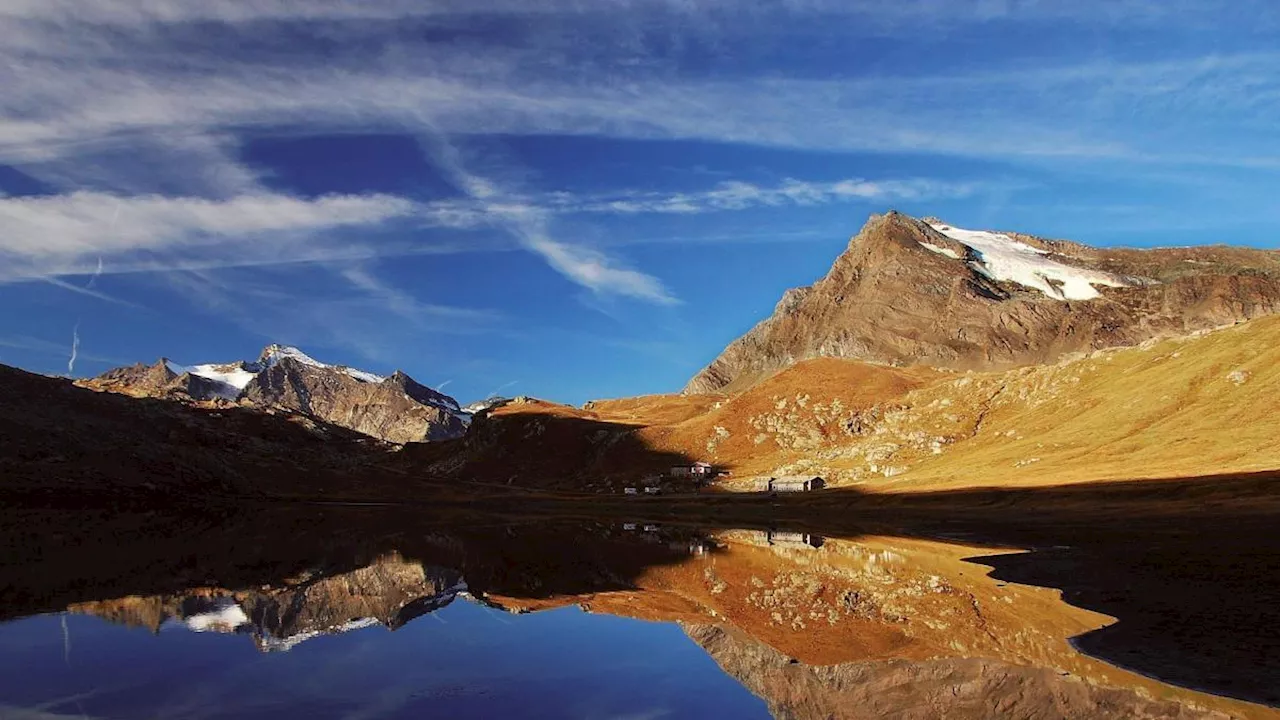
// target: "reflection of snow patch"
[[285, 644], [225, 617], [1003, 258]]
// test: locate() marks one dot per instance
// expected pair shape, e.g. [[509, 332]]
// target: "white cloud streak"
[[405, 305], [91, 86], [260, 301], [885, 13], [54, 349], [56, 105], [739, 195], [41, 236], [528, 224], [86, 291], [97, 272], [494, 392], [44, 237]]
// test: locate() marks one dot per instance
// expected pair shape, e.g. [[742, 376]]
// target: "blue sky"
[[577, 200]]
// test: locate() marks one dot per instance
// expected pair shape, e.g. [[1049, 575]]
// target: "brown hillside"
[[615, 442], [742, 434], [1195, 406]]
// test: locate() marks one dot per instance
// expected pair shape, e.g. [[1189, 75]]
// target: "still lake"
[[411, 617]]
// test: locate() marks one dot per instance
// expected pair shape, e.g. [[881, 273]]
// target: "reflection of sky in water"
[[465, 660]]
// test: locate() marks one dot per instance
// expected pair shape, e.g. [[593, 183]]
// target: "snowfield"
[[231, 380], [278, 352], [1003, 258], [941, 250]]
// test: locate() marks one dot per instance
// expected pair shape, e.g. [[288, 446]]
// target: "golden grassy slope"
[[1178, 408], [1202, 405], [656, 409]]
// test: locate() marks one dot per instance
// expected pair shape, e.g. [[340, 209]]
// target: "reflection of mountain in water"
[[388, 592], [947, 687], [818, 627]]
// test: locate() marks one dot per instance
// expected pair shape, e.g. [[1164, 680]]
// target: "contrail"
[[441, 385], [494, 392], [75, 348], [96, 273], [110, 227]]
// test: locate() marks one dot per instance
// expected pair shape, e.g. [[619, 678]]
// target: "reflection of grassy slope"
[[1178, 408]]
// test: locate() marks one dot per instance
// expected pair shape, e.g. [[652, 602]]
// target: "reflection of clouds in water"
[[13, 712]]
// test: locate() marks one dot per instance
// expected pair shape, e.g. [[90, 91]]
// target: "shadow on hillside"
[[59, 440], [543, 450]]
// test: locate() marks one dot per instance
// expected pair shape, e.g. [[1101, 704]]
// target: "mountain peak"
[[397, 409], [276, 352], [908, 291]]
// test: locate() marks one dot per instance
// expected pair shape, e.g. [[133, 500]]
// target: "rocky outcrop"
[[907, 291], [395, 409], [951, 688]]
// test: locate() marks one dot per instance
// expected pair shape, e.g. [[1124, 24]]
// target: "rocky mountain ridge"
[[390, 592], [395, 408], [922, 292]]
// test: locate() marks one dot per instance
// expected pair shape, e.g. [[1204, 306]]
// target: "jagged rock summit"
[[909, 291], [395, 408]]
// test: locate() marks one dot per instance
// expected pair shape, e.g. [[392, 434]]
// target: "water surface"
[[366, 614]]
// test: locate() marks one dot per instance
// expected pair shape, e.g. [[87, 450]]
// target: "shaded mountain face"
[[395, 409], [909, 291]]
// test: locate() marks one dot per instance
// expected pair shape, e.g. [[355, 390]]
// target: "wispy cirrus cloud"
[[530, 226], [125, 110], [40, 346], [92, 233], [56, 104], [368, 315], [41, 236], [739, 195]]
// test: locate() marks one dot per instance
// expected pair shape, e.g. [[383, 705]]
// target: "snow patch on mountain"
[[275, 353], [940, 250], [363, 376], [229, 380], [1003, 258], [486, 404]]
